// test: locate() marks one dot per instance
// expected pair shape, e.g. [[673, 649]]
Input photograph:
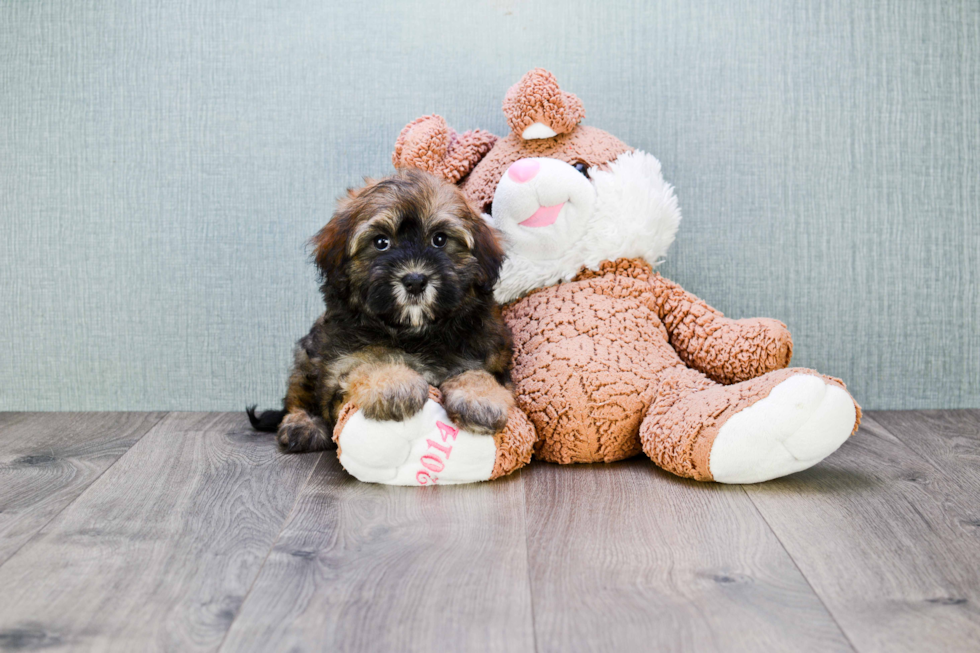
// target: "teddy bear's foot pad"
[[426, 449], [802, 421]]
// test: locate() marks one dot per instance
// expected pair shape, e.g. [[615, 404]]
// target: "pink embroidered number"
[[441, 447], [432, 461], [447, 430]]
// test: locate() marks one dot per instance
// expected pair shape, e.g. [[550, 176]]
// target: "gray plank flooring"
[[886, 541], [372, 568], [160, 552], [48, 459], [187, 532], [625, 556], [949, 439]]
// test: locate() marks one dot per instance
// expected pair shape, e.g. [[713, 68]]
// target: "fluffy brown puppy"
[[408, 269]]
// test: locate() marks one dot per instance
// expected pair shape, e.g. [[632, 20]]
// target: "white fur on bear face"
[[634, 214], [542, 216]]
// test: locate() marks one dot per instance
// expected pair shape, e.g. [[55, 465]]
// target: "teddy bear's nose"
[[523, 170]]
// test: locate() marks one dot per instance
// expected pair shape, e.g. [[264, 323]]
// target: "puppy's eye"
[[381, 243], [440, 240], [583, 168]]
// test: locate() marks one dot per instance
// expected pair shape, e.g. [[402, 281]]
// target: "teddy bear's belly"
[[584, 366]]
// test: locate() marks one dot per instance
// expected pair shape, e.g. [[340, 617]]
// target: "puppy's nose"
[[415, 283], [523, 170]]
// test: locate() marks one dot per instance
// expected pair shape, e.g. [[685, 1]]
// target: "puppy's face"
[[408, 250]]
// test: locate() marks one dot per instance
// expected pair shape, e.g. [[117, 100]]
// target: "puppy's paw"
[[482, 417], [390, 393], [424, 450], [398, 402], [476, 402], [300, 432]]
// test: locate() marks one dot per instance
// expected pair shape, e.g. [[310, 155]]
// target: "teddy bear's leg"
[[777, 424], [427, 448]]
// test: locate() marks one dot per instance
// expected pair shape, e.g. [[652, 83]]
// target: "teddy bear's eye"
[[583, 168], [381, 243]]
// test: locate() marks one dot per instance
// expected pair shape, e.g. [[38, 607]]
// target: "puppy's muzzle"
[[415, 283]]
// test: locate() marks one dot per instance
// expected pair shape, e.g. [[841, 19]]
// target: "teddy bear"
[[611, 359]]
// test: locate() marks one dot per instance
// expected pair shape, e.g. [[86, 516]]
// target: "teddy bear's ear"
[[536, 108], [429, 144]]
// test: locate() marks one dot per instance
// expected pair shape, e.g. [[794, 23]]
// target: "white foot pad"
[[801, 422], [424, 450]]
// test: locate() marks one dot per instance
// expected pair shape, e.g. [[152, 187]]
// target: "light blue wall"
[[164, 162]]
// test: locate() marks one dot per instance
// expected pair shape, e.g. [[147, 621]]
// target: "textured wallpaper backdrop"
[[162, 164]]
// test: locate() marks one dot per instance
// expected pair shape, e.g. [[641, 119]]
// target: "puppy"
[[408, 269]]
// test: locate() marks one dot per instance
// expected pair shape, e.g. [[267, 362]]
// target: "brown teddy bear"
[[610, 359]]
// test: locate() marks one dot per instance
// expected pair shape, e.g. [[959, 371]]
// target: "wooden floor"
[[186, 532]]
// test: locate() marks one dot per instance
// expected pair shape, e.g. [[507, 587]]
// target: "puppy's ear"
[[330, 243], [488, 252], [330, 246]]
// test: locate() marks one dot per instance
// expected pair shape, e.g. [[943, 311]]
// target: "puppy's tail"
[[268, 420]]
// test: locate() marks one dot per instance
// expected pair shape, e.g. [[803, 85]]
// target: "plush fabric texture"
[[593, 355], [429, 144], [583, 144], [610, 358], [726, 350], [801, 421], [515, 444], [635, 216], [394, 453], [680, 429], [537, 99]]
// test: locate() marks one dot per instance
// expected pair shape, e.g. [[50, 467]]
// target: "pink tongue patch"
[[544, 216]]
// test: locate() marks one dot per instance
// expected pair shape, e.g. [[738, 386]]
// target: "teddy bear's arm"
[[728, 351]]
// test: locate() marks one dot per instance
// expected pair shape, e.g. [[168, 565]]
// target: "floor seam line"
[[940, 471], [796, 565], [95, 480], [272, 547], [527, 560], [870, 415]]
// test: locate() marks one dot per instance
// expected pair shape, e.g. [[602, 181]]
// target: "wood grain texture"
[[160, 551], [948, 439], [625, 557], [375, 568], [202, 536], [46, 460], [889, 543]]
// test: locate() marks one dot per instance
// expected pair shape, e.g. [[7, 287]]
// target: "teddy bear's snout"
[[535, 192]]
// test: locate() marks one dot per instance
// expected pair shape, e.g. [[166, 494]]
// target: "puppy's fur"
[[387, 333]]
